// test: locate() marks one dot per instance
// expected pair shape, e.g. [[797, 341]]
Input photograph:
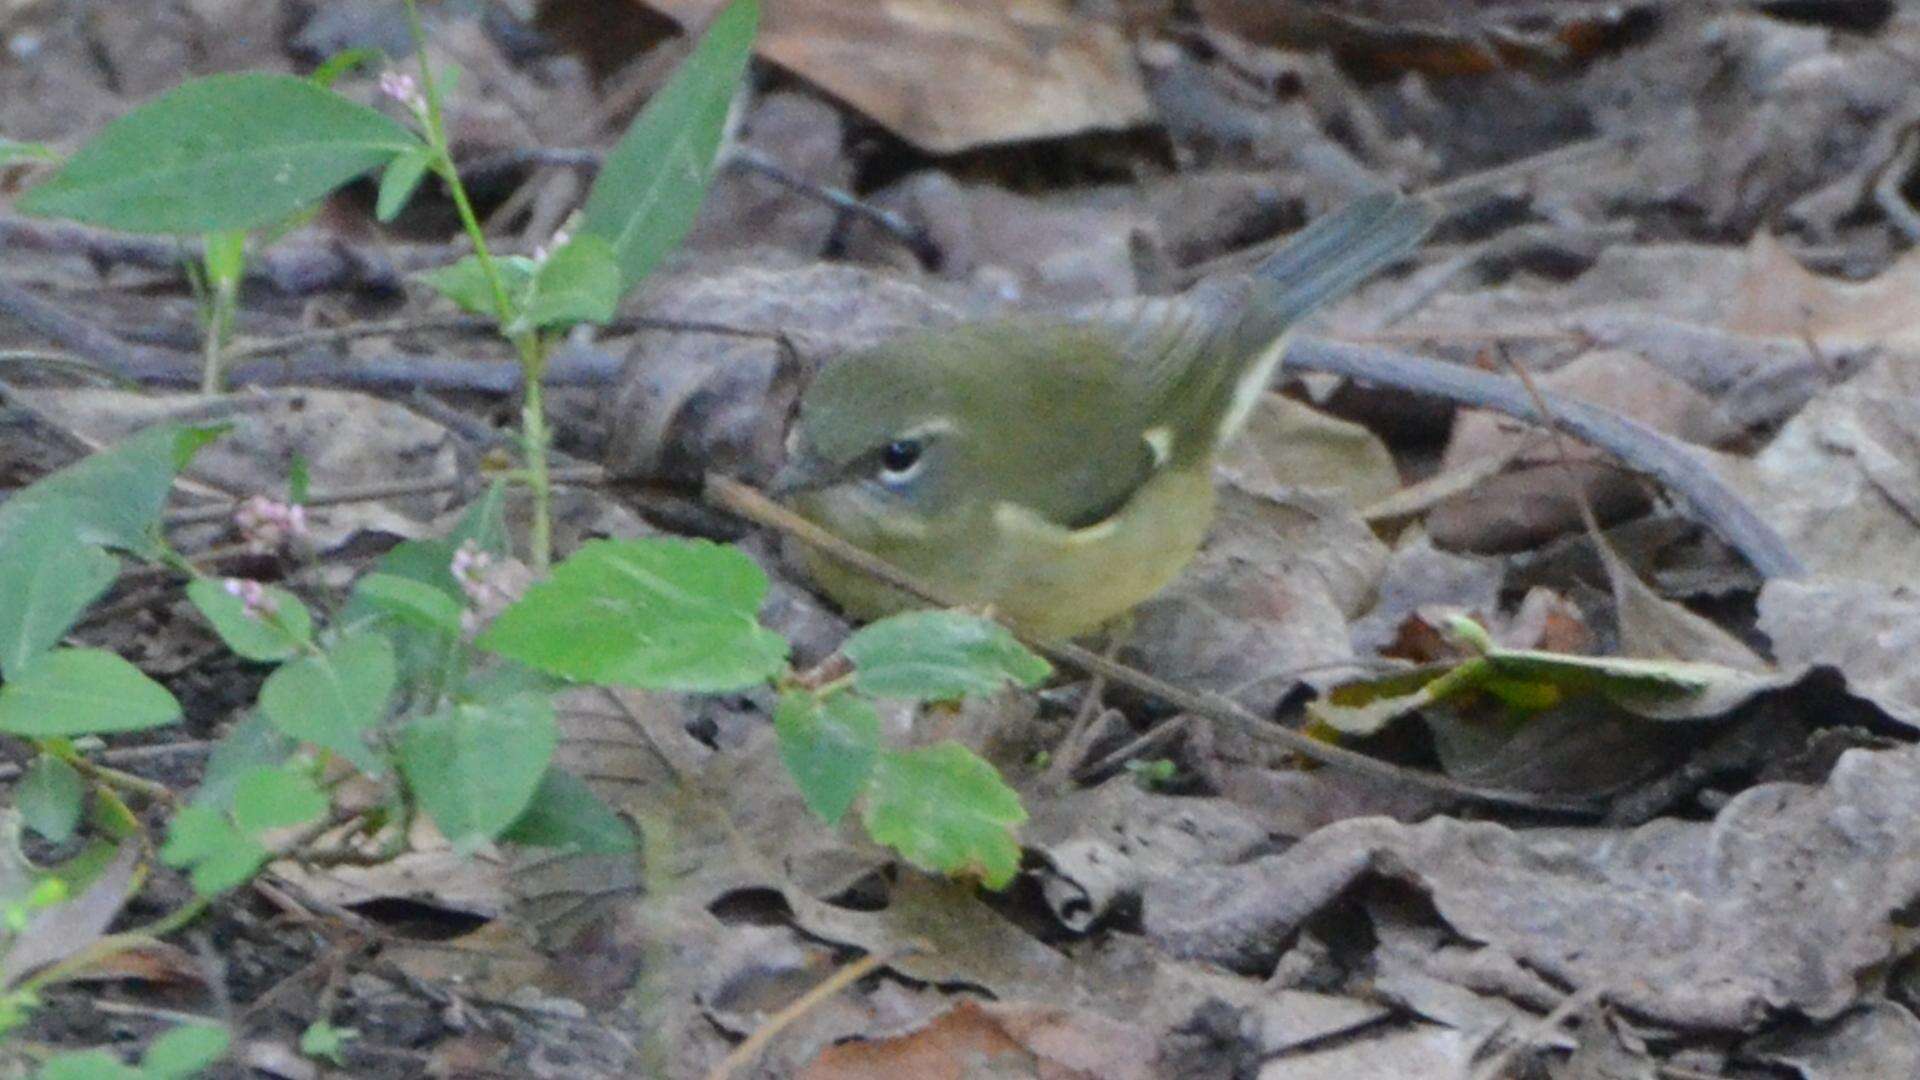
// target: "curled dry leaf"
[[946, 75], [1841, 482], [1678, 921], [1870, 632], [692, 400]]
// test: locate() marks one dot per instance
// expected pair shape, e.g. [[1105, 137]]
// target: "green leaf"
[[475, 767], [580, 283], [566, 814], [829, 747], [650, 188], [115, 496], [14, 152], [399, 180], [939, 656], [412, 602], [81, 692], [250, 743], [342, 62], [266, 638], [225, 256], [335, 698], [466, 284], [323, 1040], [184, 1051], [654, 614], [50, 797], [271, 798], [216, 855], [946, 811], [233, 151], [87, 1065], [46, 581]]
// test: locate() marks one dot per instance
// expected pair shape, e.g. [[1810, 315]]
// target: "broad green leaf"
[[14, 152], [270, 798], [650, 188], [216, 855], [566, 814], [250, 743], [115, 496], [946, 811], [184, 1051], [412, 602], [829, 746], [654, 614], [233, 151], [939, 656], [466, 284], [46, 581], [335, 698], [580, 283], [81, 692], [50, 797], [285, 632], [475, 768], [87, 1065], [399, 180]]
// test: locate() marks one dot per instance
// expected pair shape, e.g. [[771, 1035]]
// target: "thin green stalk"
[[219, 320], [526, 343]]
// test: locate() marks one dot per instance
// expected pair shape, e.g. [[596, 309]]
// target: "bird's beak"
[[799, 473]]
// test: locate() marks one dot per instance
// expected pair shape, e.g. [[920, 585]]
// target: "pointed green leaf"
[[650, 188], [46, 581], [115, 496], [81, 692], [399, 180], [234, 151], [580, 283]]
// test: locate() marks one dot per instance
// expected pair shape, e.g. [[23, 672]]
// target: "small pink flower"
[[402, 88], [267, 526], [253, 597]]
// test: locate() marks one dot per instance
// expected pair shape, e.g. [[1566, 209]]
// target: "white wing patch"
[[1256, 380]]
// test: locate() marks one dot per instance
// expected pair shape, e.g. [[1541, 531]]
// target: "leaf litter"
[[1729, 273]]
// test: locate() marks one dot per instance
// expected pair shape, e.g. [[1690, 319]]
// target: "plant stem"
[[527, 343]]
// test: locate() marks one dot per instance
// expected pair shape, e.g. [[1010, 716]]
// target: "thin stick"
[[749, 504], [749, 1049], [1538, 1033]]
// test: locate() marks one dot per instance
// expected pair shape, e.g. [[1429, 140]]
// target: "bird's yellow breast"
[[1053, 582]]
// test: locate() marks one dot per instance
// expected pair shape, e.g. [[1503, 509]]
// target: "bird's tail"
[[1330, 257], [1317, 264]]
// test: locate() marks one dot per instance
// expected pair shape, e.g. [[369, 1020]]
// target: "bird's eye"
[[900, 456]]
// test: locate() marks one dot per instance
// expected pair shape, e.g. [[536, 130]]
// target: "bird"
[[1058, 471]]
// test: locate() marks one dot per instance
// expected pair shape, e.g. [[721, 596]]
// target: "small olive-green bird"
[[1059, 471]]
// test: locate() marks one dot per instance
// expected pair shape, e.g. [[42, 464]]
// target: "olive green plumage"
[[1059, 470]]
